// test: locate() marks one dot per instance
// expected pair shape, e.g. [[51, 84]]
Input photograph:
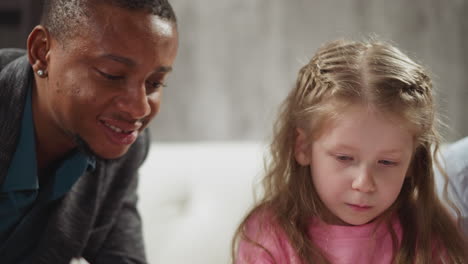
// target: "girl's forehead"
[[355, 115], [357, 124]]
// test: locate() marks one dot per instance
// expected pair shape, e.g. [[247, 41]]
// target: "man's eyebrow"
[[124, 60], [164, 69], [130, 62]]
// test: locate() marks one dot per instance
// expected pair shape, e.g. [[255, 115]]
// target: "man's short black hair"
[[64, 17]]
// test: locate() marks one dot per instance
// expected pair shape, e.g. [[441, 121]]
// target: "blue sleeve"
[[455, 162]]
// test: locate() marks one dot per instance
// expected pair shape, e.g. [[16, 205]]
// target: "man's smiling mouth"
[[116, 129]]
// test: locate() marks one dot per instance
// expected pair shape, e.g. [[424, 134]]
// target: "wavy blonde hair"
[[377, 74]]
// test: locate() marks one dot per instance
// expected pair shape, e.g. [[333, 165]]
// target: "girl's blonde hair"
[[379, 75]]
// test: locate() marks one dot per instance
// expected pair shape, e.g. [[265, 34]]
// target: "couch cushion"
[[193, 196]]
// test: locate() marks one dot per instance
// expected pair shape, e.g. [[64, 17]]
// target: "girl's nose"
[[364, 181]]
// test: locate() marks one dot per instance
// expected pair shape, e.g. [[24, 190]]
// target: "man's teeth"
[[116, 129]]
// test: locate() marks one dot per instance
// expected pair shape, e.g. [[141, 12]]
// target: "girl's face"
[[358, 163]]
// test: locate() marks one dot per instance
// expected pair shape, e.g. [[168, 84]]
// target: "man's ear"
[[301, 148], [38, 48]]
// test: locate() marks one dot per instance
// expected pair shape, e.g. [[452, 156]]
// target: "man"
[[73, 109]]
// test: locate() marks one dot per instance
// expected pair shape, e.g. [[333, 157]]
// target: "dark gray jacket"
[[97, 218]]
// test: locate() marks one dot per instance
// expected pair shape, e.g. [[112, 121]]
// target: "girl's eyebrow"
[[342, 146], [392, 151], [349, 147]]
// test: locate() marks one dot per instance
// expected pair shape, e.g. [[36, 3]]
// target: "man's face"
[[104, 85]]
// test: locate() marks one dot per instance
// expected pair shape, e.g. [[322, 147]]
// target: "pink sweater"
[[343, 244]]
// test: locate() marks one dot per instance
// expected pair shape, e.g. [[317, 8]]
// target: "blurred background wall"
[[239, 58]]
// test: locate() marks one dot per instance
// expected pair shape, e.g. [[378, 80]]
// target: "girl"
[[351, 177]]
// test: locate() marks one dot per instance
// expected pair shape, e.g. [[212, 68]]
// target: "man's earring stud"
[[41, 73]]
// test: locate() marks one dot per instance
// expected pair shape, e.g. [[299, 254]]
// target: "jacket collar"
[[15, 80]]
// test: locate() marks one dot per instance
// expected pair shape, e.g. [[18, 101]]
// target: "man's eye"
[[388, 163], [111, 77], [153, 86]]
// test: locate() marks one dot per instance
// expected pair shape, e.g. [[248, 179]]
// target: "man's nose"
[[364, 180], [134, 102]]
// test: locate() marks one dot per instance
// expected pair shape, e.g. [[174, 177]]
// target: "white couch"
[[193, 196]]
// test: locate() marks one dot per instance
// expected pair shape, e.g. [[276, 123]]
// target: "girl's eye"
[[344, 158], [388, 163]]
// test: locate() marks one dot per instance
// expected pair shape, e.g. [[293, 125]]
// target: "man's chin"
[[112, 156], [85, 148]]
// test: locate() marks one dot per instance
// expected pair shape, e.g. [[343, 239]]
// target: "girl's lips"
[[359, 207]]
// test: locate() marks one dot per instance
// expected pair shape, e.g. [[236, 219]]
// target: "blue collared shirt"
[[21, 189]]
